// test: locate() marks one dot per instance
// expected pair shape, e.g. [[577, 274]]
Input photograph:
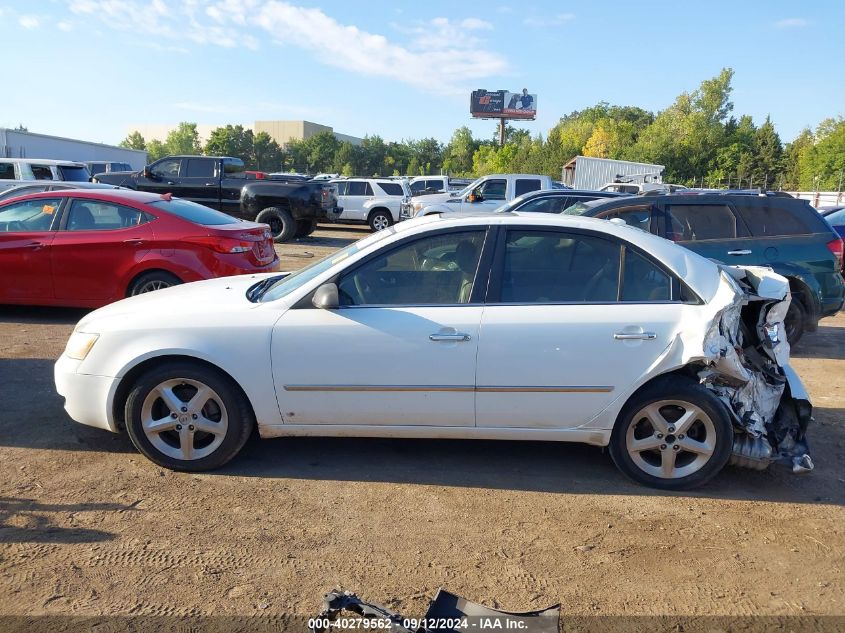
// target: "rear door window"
[[7, 171], [525, 185], [695, 222], [358, 188], [778, 219], [559, 267], [42, 172], [97, 215], [391, 188], [199, 168], [74, 173], [97, 168]]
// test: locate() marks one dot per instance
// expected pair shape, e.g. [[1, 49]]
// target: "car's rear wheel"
[[305, 227], [281, 222], [151, 281], [380, 219], [795, 320], [187, 417], [675, 435]]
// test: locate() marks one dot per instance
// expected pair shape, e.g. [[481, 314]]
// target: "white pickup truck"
[[485, 194]]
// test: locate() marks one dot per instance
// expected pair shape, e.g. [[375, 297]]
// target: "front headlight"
[[79, 344]]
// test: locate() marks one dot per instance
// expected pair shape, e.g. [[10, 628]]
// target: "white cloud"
[[445, 49], [792, 23], [64, 26], [29, 21], [554, 20]]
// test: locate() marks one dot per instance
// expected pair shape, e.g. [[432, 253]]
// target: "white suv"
[[376, 201]]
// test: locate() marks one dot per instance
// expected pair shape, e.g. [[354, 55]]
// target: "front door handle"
[[458, 336], [210, 184], [635, 336], [136, 242], [34, 245], [740, 252], [170, 182]]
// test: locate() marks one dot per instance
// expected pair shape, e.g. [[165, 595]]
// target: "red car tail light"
[[837, 247], [222, 244]]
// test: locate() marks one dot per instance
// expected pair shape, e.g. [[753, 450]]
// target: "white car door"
[[400, 349], [494, 195], [559, 339], [356, 194]]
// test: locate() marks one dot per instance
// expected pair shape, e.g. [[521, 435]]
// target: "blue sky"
[[90, 68]]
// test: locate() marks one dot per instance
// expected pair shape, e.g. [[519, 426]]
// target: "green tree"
[[155, 150], [134, 140], [232, 140], [768, 155], [320, 151], [793, 156], [183, 140], [266, 153], [458, 155], [823, 164]]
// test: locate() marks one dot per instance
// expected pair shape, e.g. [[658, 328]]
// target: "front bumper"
[[86, 396]]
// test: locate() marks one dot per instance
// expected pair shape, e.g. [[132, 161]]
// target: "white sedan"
[[508, 327]]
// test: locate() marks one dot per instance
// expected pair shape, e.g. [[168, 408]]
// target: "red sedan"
[[87, 248]]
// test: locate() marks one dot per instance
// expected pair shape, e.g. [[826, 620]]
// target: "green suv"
[[781, 232]]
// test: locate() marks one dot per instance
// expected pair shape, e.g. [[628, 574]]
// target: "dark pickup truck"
[[291, 208]]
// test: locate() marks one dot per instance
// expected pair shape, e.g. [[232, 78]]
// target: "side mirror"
[[147, 172], [326, 298], [476, 196]]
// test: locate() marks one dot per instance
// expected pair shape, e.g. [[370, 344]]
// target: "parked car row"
[[291, 208], [21, 171]]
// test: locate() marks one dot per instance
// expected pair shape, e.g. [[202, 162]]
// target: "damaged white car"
[[508, 327]]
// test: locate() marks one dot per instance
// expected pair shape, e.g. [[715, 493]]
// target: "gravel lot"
[[89, 527]]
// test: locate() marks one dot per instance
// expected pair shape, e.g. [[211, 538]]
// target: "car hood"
[[200, 299]]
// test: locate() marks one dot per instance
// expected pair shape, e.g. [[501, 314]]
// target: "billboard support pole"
[[502, 124]]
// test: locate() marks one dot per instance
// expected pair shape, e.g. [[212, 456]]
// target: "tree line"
[[697, 138]]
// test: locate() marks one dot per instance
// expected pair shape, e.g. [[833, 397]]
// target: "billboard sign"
[[502, 104]]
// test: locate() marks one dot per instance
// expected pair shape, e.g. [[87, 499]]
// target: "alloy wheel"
[[671, 439], [184, 419], [380, 222]]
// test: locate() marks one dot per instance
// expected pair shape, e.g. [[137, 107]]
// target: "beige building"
[[280, 131]]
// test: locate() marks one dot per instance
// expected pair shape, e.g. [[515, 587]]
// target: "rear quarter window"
[[391, 188], [774, 219]]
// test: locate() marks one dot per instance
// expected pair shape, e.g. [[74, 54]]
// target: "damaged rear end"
[[745, 362]]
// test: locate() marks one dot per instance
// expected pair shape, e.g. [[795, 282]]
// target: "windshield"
[[581, 208], [193, 212], [284, 286]]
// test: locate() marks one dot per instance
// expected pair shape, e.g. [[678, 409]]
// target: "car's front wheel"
[[674, 435], [187, 417]]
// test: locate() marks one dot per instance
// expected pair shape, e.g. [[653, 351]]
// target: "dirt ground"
[[89, 527]]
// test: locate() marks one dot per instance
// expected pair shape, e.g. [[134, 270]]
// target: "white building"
[[20, 144]]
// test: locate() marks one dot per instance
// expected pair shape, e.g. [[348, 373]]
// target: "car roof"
[[43, 161], [680, 198], [562, 193], [698, 272], [142, 197]]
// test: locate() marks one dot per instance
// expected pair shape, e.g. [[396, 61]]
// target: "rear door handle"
[[210, 184], [458, 336], [635, 336], [34, 245], [740, 252], [135, 241]]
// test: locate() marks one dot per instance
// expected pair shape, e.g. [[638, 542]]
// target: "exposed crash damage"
[[745, 362], [447, 613]]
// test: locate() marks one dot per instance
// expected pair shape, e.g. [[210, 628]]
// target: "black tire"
[[702, 468], [380, 219], [795, 320], [305, 227], [281, 222], [236, 409], [151, 281]]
